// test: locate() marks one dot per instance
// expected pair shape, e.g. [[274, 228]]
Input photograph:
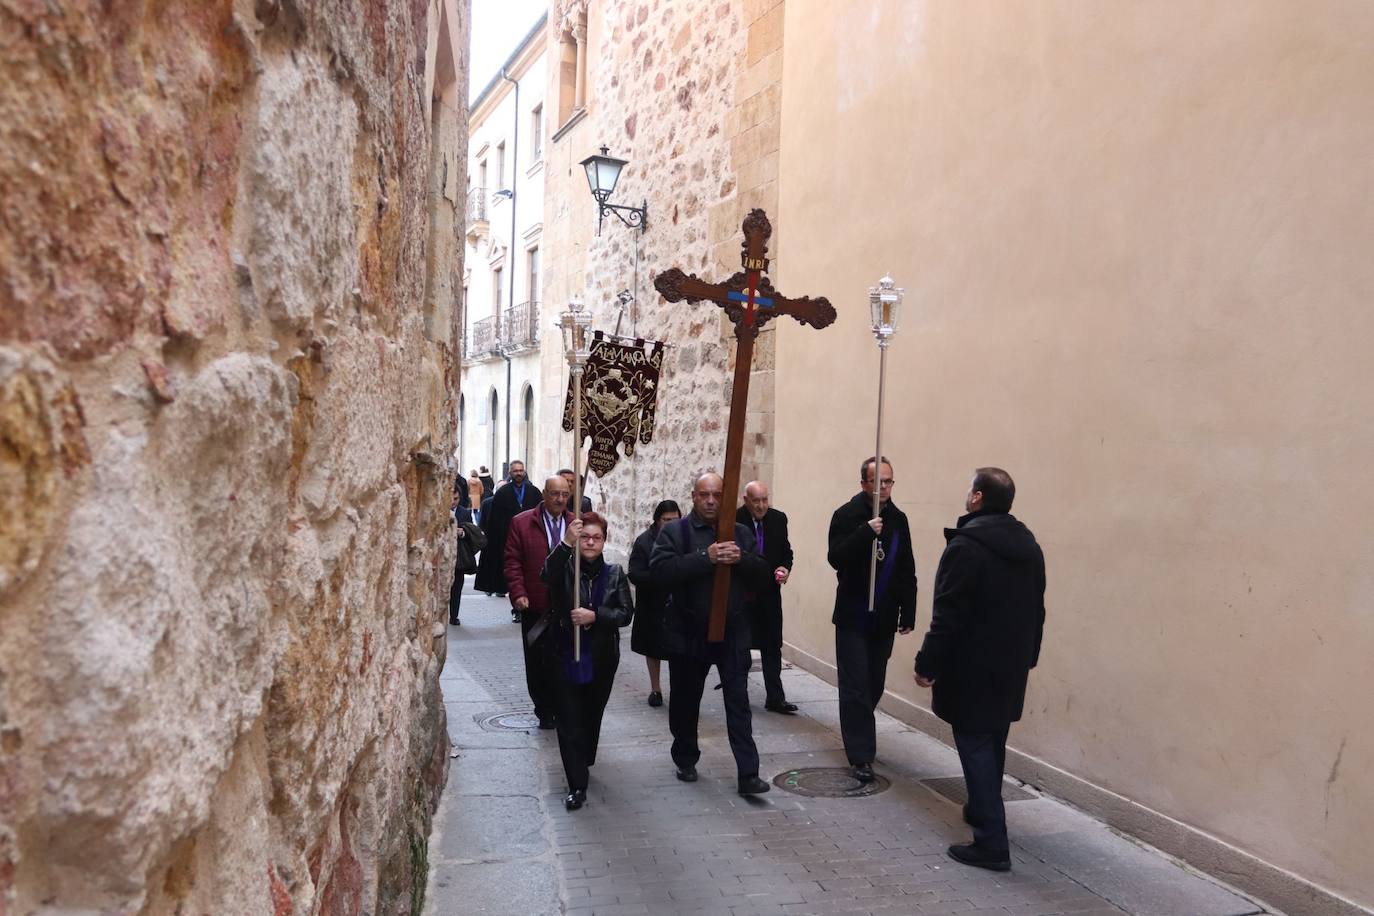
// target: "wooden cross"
[[750, 302]]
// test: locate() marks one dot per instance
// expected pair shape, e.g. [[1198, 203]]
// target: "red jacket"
[[527, 546]]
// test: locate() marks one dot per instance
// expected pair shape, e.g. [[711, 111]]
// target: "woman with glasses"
[[599, 605]]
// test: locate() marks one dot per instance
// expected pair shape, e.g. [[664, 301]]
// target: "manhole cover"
[[953, 789], [509, 722], [828, 782]]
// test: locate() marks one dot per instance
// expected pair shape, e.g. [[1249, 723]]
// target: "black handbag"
[[473, 541]]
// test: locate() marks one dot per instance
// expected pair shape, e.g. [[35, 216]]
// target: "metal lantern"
[[885, 305], [577, 325], [602, 173]]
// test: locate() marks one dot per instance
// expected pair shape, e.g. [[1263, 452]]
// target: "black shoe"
[[547, 723], [752, 785], [863, 772], [655, 699], [781, 706], [576, 799], [687, 773], [454, 621], [978, 857]]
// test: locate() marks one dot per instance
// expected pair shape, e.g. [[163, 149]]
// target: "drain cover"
[[509, 722], [828, 782], [953, 789]]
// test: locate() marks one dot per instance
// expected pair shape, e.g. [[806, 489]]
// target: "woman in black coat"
[[603, 606], [650, 599]]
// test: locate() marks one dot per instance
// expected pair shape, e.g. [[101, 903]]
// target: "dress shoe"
[[863, 772], [781, 706], [655, 699], [454, 621], [687, 773], [576, 799], [547, 723], [752, 785], [978, 857]]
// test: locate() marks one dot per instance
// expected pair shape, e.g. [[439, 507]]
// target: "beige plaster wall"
[[228, 272], [1135, 240]]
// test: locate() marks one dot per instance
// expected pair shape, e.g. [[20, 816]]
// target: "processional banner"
[[619, 395]]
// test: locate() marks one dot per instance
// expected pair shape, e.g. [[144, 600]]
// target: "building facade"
[[503, 322]]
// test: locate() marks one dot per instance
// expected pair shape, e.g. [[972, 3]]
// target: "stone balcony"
[[521, 330]]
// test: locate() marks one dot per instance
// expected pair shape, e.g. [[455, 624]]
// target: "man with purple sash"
[[864, 635]]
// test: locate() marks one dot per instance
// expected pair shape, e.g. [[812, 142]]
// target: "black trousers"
[[771, 657], [580, 708], [686, 682], [537, 680], [861, 670], [983, 755], [455, 596]]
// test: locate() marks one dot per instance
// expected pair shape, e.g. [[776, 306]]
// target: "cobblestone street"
[[648, 844]]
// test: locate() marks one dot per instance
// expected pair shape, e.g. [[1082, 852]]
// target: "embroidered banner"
[[619, 394]]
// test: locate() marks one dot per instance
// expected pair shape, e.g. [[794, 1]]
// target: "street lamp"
[[577, 325], [603, 172], [885, 306]]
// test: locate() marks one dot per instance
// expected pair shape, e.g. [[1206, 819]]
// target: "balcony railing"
[[486, 339], [477, 205], [522, 327]]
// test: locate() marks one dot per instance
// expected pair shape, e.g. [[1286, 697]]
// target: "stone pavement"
[[648, 844]]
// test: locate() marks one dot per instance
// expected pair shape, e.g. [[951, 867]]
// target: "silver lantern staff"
[[884, 302], [577, 326]]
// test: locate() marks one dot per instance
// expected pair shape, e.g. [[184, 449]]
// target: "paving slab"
[[648, 844]]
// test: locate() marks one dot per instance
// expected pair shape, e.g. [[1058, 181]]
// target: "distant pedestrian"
[[488, 483], [509, 501], [568, 475], [646, 637], [600, 605], [769, 528], [864, 635], [471, 539], [984, 638]]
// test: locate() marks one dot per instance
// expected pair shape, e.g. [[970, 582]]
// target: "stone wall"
[[225, 409], [688, 92]]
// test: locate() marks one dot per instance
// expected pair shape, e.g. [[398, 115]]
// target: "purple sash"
[[580, 672]]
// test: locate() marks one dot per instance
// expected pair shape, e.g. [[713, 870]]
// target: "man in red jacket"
[[533, 535]]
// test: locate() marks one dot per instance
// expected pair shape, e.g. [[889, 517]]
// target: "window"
[[498, 290], [527, 414], [482, 176], [536, 134], [500, 165], [572, 71], [533, 278]]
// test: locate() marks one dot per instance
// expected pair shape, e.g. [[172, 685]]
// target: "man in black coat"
[[989, 616], [684, 560], [506, 503], [769, 529], [471, 540], [864, 635]]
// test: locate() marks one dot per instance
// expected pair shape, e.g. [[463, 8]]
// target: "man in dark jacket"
[[864, 634], [508, 502], [769, 529], [989, 615], [684, 560]]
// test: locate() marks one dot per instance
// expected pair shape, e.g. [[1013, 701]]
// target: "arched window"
[[462, 435], [527, 424], [494, 461]]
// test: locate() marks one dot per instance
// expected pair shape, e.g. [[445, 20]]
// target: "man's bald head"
[[556, 491], [756, 499], [707, 491]]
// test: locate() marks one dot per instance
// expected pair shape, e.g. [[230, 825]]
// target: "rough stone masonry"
[[225, 403]]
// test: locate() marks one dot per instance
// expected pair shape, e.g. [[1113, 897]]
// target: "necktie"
[[758, 536]]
